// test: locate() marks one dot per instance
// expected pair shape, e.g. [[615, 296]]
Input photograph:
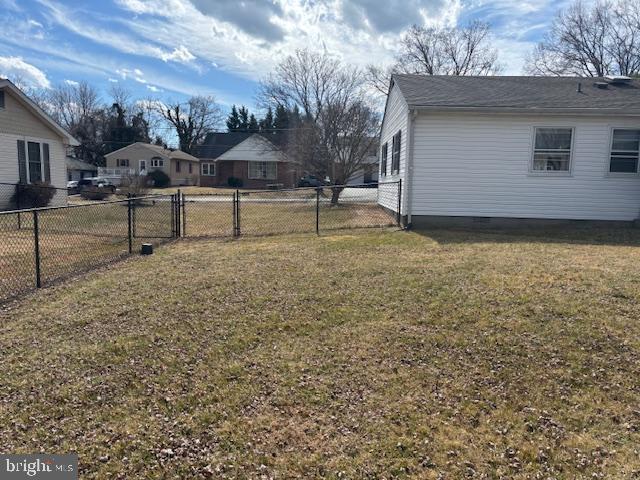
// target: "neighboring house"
[[512, 147], [251, 158], [368, 174], [77, 169], [141, 158], [33, 146]]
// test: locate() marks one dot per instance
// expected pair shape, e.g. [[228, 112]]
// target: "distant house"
[[488, 148], [77, 169], [141, 158], [249, 159], [368, 173], [33, 146]]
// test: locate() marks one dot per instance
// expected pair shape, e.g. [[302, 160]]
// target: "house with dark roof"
[[141, 158], [78, 169], [492, 149], [250, 160]]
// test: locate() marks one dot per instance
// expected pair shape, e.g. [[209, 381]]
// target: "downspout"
[[408, 187]]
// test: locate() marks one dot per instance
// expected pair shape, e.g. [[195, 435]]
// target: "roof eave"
[[531, 111], [35, 109]]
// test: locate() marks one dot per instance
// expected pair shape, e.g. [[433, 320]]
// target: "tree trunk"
[[335, 194]]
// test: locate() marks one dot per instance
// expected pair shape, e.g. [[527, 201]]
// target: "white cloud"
[[27, 74], [180, 54], [112, 80], [73, 83], [154, 89]]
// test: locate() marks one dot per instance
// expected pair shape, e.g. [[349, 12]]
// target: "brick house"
[[248, 159]]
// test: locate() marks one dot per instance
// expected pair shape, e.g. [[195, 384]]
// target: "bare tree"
[[336, 127], [192, 120], [591, 41], [441, 51]]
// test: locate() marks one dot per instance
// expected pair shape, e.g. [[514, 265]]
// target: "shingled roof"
[[526, 93]]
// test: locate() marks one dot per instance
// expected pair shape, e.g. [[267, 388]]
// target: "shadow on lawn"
[[567, 233]]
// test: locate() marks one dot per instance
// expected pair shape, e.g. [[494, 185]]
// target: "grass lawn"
[[360, 355]]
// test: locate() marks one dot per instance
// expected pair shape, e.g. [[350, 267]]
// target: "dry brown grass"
[[362, 355]]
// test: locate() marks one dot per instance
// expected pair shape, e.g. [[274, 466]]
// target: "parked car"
[[311, 181], [72, 187], [96, 182]]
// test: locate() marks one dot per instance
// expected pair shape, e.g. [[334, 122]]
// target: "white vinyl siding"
[[263, 170], [10, 168], [479, 165], [395, 120]]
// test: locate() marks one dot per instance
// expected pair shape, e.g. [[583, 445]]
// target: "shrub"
[[33, 195], [93, 192], [135, 185], [159, 178], [234, 182]]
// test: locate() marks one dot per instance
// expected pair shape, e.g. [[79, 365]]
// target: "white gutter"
[[520, 111]]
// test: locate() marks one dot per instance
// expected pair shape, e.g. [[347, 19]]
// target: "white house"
[[487, 148], [33, 146]]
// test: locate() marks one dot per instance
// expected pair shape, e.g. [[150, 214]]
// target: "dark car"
[[311, 181]]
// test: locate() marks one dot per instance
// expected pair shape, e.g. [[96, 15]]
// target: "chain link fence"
[[44, 245], [300, 210]]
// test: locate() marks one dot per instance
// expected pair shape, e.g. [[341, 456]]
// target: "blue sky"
[[171, 49]]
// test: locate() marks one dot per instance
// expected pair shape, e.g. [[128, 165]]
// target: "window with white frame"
[[263, 170], [208, 169], [552, 149], [625, 149], [122, 162], [33, 162], [157, 162]]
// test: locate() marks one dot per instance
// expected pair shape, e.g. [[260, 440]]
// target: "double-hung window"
[[177, 166], [157, 162], [395, 154], [263, 170], [209, 169], [33, 162], [1, 98], [552, 149], [122, 162], [383, 159], [625, 147]]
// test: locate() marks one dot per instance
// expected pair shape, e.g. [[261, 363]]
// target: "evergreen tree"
[[244, 119], [233, 121], [281, 120], [253, 124], [266, 124]]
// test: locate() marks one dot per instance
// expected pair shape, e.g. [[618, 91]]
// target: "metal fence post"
[[399, 203], [233, 214], [318, 211], [18, 206], [238, 213], [178, 213], [130, 222], [184, 215], [173, 216], [36, 242]]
